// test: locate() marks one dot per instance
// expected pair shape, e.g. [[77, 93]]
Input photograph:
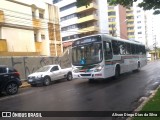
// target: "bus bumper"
[[96, 75]]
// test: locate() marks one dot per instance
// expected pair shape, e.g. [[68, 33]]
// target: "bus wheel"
[[117, 72], [138, 67]]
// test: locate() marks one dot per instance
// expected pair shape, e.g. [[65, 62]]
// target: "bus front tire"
[[91, 80]]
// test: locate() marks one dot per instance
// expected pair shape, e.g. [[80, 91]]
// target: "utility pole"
[[155, 47], [112, 30]]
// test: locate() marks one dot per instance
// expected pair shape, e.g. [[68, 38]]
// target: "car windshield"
[[43, 69], [86, 54]]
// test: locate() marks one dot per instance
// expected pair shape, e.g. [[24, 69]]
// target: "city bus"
[[102, 56]]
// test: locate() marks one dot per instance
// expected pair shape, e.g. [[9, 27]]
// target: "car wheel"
[[46, 81], [11, 88], [91, 80], [33, 85], [69, 76]]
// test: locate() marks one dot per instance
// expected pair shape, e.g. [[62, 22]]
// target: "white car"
[[49, 73]]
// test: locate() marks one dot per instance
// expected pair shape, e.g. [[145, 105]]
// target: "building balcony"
[[111, 29], [112, 16], [131, 36], [87, 18], [92, 6], [130, 20], [130, 31], [38, 46], [3, 45], [112, 23], [36, 23], [130, 25], [129, 14], [111, 10], [1, 16], [89, 29]]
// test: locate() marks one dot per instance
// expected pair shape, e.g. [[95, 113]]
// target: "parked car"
[[49, 73], [9, 80]]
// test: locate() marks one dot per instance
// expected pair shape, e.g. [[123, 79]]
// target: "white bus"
[[102, 56]]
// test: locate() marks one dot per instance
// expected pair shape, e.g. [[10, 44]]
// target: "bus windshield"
[[86, 54]]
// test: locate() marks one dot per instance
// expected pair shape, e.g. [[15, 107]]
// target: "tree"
[[145, 4], [83, 3]]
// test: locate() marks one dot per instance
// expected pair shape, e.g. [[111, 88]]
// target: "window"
[[139, 32], [55, 68], [41, 15], [108, 50], [69, 27], [138, 11], [133, 48], [33, 14], [67, 7], [128, 48], [111, 19], [68, 17], [115, 46], [138, 16], [122, 47], [42, 37], [56, 1], [111, 13], [35, 37], [2, 70], [139, 27], [139, 22], [143, 49], [69, 37], [131, 33]]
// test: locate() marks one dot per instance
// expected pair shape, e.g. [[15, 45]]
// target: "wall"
[[28, 65], [18, 15], [19, 40], [102, 15]]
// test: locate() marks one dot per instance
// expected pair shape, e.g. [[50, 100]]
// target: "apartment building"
[[117, 21], [81, 21], [29, 28]]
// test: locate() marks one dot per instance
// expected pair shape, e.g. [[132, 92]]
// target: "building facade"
[[81, 21], [117, 21], [29, 27]]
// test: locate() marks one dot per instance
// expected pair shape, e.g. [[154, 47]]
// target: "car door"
[[4, 77], [55, 73]]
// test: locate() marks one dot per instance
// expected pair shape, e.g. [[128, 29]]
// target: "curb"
[[145, 101], [25, 84]]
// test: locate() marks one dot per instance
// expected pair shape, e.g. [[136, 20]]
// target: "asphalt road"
[[122, 94]]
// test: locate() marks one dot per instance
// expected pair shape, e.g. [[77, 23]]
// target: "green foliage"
[[146, 4], [83, 3], [152, 105]]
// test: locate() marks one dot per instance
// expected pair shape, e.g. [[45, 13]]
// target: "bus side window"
[[115, 47], [108, 50]]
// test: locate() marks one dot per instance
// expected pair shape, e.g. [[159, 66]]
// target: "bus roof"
[[112, 38]]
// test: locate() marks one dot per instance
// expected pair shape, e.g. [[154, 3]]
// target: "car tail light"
[[16, 74]]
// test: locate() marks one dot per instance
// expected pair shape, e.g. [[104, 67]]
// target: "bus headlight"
[[98, 68]]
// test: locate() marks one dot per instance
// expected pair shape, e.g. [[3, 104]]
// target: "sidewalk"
[[25, 84]]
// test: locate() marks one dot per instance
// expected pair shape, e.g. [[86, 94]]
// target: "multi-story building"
[[81, 21], [139, 24], [117, 21], [29, 27]]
